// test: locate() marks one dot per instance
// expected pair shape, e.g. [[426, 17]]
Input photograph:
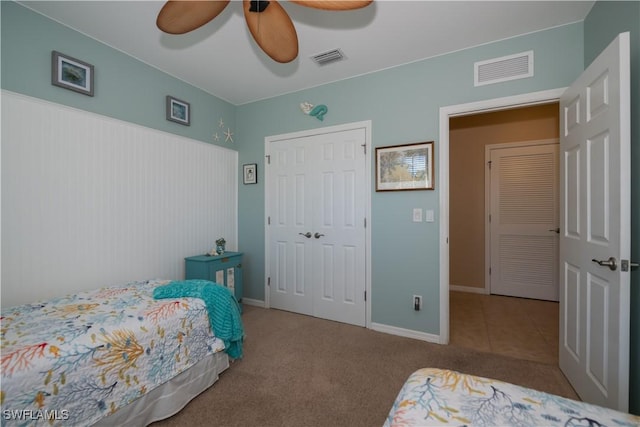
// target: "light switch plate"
[[429, 216], [417, 215]]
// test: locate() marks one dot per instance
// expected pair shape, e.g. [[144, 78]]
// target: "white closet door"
[[339, 211], [524, 221], [316, 212], [291, 175]]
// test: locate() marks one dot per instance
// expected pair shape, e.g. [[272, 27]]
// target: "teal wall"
[[125, 88], [605, 21], [403, 104]]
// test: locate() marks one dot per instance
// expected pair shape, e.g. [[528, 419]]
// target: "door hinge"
[[268, 220], [268, 156], [364, 147], [489, 218], [269, 281], [365, 223], [489, 271], [365, 295], [489, 164]]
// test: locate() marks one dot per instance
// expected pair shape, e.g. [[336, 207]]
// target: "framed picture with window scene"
[[405, 167]]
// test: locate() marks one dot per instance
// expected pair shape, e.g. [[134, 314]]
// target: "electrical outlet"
[[417, 302]]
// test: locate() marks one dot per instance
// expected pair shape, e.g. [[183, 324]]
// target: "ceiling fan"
[[268, 22]]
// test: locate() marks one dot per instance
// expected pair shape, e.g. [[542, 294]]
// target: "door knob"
[[307, 234], [556, 230], [318, 235], [611, 263]]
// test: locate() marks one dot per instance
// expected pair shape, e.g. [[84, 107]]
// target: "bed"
[[112, 356], [439, 397]]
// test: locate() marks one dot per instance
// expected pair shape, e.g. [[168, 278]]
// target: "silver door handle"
[[307, 234], [611, 263], [318, 235]]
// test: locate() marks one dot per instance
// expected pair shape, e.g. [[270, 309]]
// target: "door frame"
[[485, 106], [366, 125], [487, 197]]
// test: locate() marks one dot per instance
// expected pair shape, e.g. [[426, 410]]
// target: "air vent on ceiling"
[[512, 67], [328, 57]]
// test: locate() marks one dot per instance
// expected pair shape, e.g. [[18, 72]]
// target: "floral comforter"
[[76, 359], [436, 397]]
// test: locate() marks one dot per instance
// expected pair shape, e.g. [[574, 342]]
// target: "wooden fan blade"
[[334, 4], [273, 30], [179, 16]]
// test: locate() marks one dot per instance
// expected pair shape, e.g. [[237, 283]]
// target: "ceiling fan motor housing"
[[258, 5]]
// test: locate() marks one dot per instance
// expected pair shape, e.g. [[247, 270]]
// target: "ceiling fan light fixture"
[[328, 57], [268, 22]]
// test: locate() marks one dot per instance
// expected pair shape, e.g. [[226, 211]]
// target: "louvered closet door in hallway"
[[524, 221]]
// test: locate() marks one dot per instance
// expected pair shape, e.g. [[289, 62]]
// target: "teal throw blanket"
[[223, 309]]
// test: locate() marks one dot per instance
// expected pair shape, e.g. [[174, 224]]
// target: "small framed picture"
[[178, 111], [71, 73], [405, 167], [250, 174]]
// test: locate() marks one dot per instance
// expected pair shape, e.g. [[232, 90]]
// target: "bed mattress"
[[439, 397], [76, 359]]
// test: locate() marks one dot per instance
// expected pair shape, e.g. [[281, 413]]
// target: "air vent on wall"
[[512, 67], [325, 58]]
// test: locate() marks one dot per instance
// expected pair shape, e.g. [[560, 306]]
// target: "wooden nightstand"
[[225, 269]]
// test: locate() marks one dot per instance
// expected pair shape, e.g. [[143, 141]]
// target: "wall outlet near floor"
[[417, 302]]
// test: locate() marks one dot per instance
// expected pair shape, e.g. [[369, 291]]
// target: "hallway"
[[517, 327]]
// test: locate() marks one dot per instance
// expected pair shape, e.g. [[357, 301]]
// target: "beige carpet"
[[302, 371]]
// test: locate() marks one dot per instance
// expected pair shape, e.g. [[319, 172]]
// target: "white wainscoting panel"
[[90, 201]]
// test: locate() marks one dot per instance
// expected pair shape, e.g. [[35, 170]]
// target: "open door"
[[595, 203]]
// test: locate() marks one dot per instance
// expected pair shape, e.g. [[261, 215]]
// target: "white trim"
[[469, 289], [253, 302], [366, 125], [497, 104], [408, 333]]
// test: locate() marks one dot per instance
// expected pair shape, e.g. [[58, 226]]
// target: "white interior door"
[[291, 172], [317, 225], [595, 226], [524, 221]]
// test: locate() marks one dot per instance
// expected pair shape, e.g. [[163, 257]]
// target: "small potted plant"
[[220, 245]]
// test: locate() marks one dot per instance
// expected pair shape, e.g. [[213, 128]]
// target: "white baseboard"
[[408, 333], [254, 302], [393, 330], [470, 289]]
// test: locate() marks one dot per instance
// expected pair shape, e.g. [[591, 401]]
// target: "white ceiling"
[[222, 58]]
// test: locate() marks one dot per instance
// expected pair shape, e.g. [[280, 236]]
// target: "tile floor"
[[517, 327]]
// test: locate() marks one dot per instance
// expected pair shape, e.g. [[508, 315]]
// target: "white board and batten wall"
[[90, 201]]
